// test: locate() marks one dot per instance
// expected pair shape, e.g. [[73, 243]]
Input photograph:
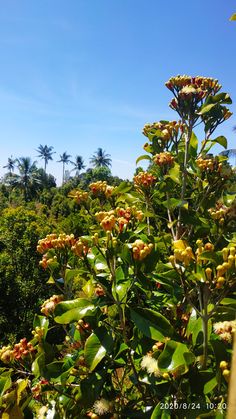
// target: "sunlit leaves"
[[74, 310]]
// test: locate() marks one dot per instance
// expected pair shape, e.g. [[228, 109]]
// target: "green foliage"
[[143, 320], [19, 270]]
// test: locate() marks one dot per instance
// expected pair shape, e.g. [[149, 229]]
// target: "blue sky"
[[83, 74]]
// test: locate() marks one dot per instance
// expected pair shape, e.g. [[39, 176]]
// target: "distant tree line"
[[30, 179]]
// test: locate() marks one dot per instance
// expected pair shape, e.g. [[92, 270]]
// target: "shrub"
[[147, 298]]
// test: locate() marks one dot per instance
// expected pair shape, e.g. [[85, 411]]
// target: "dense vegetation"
[[142, 279]]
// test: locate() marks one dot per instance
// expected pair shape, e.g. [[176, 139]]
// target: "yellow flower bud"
[[221, 280], [209, 247], [226, 374], [223, 365], [232, 251], [220, 270], [230, 260], [208, 272], [226, 266], [225, 253]]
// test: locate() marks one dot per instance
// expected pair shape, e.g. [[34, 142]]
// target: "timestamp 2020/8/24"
[[192, 406]]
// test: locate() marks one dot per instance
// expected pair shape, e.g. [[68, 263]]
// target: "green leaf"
[[173, 203], [228, 301], [156, 414], [96, 346], [233, 17], [206, 108], [120, 276], [91, 388], [143, 157], [41, 321], [21, 386], [88, 288], [224, 313], [94, 352], [174, 173], [221, 140], [151, 323], [210, 385], [220, 98], [197, 328], [219, 349], [193, 145], [70, 275], [5, 383], [74, 310], [54, 369], [175, 357], [212, 256], [38, 365], [122, 188], [120, 291]]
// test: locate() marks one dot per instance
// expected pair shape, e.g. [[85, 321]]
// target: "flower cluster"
[[6, 354], [209, 165], [144, 180], [38, 333], [49, 305], [222, 271], [164, 130], [22, 349], [141, 250], [79, 196], [99, 291], [182, 253], [208, 247], [101, 188], [47, 261], [150, 364], [118, 217], [129, 213], [217, 276], [80, 248], [189, 91], [163, 159], [107, 219], [102, 406], [37, 390], [219, 212], [213, 165], [224, 366], [19, 351], [199, 85], [51, 241], [225, 330]]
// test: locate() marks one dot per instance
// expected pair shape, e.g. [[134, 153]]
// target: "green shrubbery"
[[142, 323]]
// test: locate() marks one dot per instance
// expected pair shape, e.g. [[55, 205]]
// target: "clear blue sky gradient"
[[83, 74]]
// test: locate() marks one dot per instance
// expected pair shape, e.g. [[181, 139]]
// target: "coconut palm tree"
[[28, 178], [10, 166], [45, 153], [78, 164], [64, 159], [100, 158]]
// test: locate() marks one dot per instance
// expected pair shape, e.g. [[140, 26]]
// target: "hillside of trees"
[[32, 206]]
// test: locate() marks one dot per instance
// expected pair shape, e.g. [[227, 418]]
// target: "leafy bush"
[[20, 282], [143, 320]]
